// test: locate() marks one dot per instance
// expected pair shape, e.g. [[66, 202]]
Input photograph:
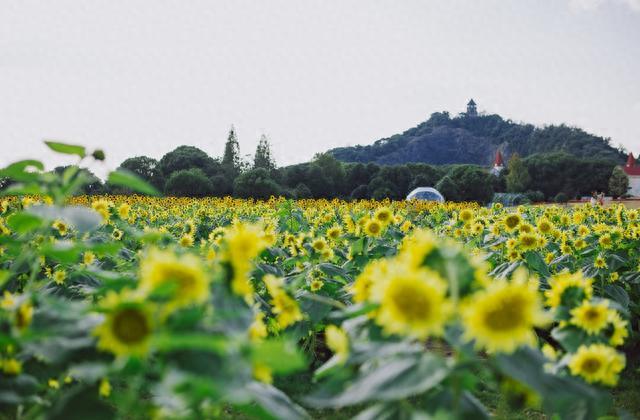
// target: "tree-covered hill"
[[475, 139]]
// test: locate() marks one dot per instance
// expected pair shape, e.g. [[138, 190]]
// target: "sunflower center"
[[412, 304], [182, 278], [591, 365], [130, 326], [512, 221], [591, 314], [508, 315], [528, 240], [374, 228]]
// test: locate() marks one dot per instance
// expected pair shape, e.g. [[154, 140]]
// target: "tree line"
[[189, 171]]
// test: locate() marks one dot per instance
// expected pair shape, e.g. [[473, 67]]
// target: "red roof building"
[[498, 161], [631, 168], [498, 164]]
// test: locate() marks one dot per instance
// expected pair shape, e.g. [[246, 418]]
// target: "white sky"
[[143, 77]]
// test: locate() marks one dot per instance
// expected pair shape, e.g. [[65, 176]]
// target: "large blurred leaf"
[[276, 402], [618, 294], [22, 171], [280, 355], [567, 397], [81, 403], [536, 263], [82, 218], [193, 341], [128, 179], [67, 149], [390, 380], [23, 189], [24, 222]]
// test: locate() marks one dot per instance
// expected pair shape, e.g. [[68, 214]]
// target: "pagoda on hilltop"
[[632, 169], [498, 164], [472, 111]]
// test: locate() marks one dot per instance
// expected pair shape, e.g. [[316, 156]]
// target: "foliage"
[[188, 157], [231, 158], [518, 178], [472, 183], [474, 140], [146, 168], [256, 183], [133, 306], [448, 188], [263, 158], [618, 183], [189, 183]]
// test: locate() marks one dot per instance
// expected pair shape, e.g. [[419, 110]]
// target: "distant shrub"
[[189, 183]]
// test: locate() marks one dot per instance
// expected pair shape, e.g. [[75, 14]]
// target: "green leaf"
[[617, 294], [67, 149], [18, 171], [536, 263], [82, 218], [128, 179], [281, 356], [393, 380], [194, 341], [570, 337], [276, 402], [23, 222], [22, 189], [564, 396]]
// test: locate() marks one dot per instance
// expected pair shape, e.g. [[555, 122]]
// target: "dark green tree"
[[256, 183], [187, 157], [333, 171], [618, 183], [359, 193], [448, 189], [518, 178], [189, 183], [302, 191], [473, 183], [221, 186], [231, 160], [146, 168], [263, 158]]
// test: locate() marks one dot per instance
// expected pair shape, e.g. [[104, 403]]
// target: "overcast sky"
[[142, 77]]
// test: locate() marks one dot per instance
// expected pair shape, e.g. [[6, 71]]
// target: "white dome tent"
[[426, 193]]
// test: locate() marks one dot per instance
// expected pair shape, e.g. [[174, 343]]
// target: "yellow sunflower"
[[183, 275], [591, 317], [373, 227], [127, 325], [337, 341], [597, 363], [511, 221], [412, 301], [568, 288], [502, 317]]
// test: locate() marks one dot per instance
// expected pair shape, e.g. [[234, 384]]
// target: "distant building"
[[498, 164], [471, 109], [633, 172]]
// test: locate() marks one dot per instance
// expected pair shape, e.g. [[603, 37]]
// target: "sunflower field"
[[140, 306]]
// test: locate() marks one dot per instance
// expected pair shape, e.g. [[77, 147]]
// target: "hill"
[[474, 139]]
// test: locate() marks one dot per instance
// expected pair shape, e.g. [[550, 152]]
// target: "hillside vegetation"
[[475, 140]]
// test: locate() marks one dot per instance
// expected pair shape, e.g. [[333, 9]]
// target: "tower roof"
[[498, 161], [471, 102]]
